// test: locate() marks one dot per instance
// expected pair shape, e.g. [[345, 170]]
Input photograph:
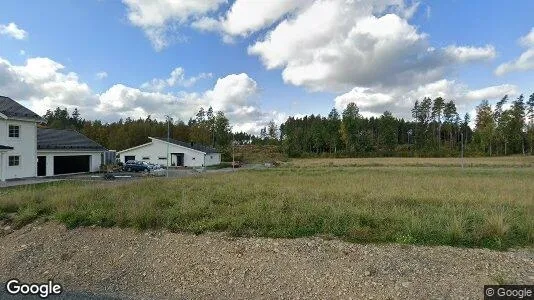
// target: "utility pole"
[[462, 158], [168, 138], [233, 152]]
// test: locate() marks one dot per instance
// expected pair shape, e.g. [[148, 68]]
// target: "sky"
[[262, 60]]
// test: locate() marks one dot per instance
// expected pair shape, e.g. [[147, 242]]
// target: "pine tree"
[[437, 113], [501, 134], [485, 126], [334, 124], [349, 126], [450, 116], [530, 127]]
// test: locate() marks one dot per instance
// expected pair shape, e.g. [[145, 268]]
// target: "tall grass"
[[476, 207]]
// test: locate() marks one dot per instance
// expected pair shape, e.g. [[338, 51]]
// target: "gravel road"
[[127, 264]]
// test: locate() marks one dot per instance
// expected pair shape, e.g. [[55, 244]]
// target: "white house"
[[18, 140], [172, 153], [28, 151]]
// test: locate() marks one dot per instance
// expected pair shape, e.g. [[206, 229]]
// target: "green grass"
[[490, 207]]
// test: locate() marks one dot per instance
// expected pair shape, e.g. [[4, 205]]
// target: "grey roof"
[[65, 139], [198, 147], [2, 147], [12, 109]]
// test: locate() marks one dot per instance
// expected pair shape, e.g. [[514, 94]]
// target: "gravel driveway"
[[124, 263]]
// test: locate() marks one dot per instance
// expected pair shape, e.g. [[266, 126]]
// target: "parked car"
[[136, 166], [236, 164]]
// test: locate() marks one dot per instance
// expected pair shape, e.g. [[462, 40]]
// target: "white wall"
[[213, 159], [95, 160], [25, 146], [157, 149]]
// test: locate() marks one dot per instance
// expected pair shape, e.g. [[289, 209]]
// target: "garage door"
[[71, 164]]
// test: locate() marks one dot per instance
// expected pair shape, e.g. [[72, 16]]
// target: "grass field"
[[489, 204]]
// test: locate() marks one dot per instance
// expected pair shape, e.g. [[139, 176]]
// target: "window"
[[162, 158], [14, 161], [14, 131], [146, 158], [211, 156]]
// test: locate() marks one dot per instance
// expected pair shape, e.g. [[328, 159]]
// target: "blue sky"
[[262, 60]]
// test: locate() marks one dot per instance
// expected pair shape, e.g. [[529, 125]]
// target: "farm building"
[[172, 153], [28, 151]]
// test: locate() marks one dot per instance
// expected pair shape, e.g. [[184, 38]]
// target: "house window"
[[211, 156], [162, 158], [146, 158], [14, 131], [14, 160]]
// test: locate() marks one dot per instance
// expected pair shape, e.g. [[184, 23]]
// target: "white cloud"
[[364, 97], [232, 93], [400, 100], [525, 62], [43, 84], [13, 31], [176, 78], [236, 95], [102, 75], [468, 54], [245, 16], [159, 18], [528, 40], [493, 92], [363, 44]]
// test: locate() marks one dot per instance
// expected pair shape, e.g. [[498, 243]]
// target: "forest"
[[435, 130]]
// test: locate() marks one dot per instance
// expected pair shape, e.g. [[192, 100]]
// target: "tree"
[[437, 113], [349, 126], [422, 115], [450, 116], [388, 131], [222, 131], [333, 128], [530, 117], [501, 135], [466, 129], [485, 126], [517, 134], [272, 132], [210, 124]]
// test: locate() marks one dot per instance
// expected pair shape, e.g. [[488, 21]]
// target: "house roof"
[[198, 147], [2, 147], [65, 139], [12, 109]]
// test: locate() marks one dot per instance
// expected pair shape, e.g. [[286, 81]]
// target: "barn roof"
[[65, 139], [12, 109], [198, 147]]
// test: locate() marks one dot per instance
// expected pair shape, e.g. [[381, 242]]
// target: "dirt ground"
[[127, 264]]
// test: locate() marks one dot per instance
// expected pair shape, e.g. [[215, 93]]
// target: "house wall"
[[213, 159], [25, 146], [95, 160], [157, 149]]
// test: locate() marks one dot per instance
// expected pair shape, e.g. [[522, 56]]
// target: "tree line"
[[206, 127], [436, 129]]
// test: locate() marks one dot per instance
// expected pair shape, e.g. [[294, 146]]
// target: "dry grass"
[[437, 205], [469, 162]]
